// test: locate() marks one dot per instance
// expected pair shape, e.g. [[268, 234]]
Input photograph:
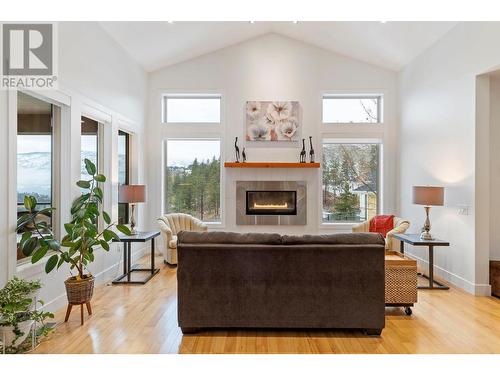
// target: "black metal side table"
[[127, 248], [414, 239]]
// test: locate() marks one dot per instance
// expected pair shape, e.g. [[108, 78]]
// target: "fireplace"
[[261, 202], [271, 202]]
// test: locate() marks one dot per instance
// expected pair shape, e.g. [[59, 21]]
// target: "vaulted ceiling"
[[390, 45]]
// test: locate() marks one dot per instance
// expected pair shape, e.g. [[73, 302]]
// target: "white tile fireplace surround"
[[271, 202]]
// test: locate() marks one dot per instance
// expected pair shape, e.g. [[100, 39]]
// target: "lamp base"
[[426, 236]]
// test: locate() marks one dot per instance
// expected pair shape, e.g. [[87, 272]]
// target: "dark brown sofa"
[[258, 280]]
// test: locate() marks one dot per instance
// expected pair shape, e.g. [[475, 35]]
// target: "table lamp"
[[132, 194], [428, 196]]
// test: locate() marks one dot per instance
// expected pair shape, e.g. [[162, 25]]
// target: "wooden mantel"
[[270, 165]]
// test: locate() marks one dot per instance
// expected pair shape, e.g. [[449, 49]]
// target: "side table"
[[127, 248], [414, 239]]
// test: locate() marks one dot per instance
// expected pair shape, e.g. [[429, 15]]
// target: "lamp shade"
[[132, 194], [428, 195]]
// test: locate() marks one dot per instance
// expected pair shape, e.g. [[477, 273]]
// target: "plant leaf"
[[100, 178], [104, 245], [51, 263], [83, 184], [98, 193], [106, 217], [124, 229], [29, 246], [39, 254], [25, 237], [90, 167]]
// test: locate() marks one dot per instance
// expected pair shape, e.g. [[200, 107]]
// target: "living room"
[[249, 187]]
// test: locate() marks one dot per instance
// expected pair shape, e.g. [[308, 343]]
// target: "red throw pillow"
[[382, 224]]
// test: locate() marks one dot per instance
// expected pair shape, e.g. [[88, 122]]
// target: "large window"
[[352, 109], [192, 108], [90, 145], [192, 178], [351, 180], [123, 172], [35, 157]]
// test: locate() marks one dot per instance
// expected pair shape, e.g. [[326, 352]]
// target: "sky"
[[181, 153]]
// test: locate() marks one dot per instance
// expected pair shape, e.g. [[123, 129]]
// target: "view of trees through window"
[[350, 181], [193, 178]]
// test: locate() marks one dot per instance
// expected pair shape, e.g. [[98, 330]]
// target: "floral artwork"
[[272, 121]]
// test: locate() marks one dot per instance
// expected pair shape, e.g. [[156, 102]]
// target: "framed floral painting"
[[272, 121]]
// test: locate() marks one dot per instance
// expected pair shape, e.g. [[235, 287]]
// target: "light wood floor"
[[143, 319]]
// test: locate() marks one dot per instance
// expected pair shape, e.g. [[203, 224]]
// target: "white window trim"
[[199, 94], [193, 131], [355, 93]]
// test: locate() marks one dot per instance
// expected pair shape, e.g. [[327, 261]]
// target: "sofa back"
[[268, 280]]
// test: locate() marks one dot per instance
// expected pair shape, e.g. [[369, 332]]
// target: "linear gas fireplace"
[[265, 202], [271, 202]]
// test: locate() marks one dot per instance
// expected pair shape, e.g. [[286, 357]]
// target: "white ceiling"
[[391, 45]]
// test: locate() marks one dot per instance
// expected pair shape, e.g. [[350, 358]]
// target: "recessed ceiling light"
[[383, 21], [170, 22], [251, 21], [295, 22]]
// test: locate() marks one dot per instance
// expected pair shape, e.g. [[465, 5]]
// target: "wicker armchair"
[[391, 244], [172, 224]]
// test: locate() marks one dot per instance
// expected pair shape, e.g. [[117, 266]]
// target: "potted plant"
[[82, 237], [18, 312]]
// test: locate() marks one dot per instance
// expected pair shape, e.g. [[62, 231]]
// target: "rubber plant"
[[82, 236]]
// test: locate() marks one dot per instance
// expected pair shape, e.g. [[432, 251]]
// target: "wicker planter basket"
[[79, 291], [400, 280]]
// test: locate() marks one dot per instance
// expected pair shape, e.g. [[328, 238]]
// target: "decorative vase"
[[10, 335], [79, 291]]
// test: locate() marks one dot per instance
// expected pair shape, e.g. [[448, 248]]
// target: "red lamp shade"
[[428, 195], [132, 193]]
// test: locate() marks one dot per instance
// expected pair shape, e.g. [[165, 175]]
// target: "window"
[[123, 172], [192, 178], [352, 109], [192, 108], [90, 145], [350, 181], [35, 156]]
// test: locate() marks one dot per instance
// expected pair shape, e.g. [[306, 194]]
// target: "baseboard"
[[456, 280], [102, 277]]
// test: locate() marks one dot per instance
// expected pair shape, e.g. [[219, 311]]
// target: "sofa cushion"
[[335, 239], [229, 238]]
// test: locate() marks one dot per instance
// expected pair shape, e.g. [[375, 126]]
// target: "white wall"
[[271, 67], [441, 145], [494, 171], [98, 79]]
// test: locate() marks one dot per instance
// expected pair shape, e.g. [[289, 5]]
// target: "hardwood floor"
[[143, 319]]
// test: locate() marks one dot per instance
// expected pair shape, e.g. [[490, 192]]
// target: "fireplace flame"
[[270, 206]]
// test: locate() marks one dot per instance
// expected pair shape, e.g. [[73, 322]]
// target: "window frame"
[[212, 224], [361, 94], [332, 139], [55, 178], [205, 94], [127, 171]]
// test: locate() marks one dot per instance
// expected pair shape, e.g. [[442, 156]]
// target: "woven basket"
[[400, 281], [79, 291]]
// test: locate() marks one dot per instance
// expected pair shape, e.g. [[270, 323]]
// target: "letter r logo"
[[27, 49]]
